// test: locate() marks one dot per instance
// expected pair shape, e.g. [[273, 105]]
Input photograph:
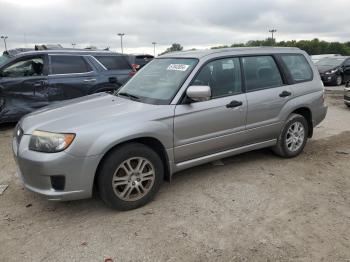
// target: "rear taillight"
[[135, 67]]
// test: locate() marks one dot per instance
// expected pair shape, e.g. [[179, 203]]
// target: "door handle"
[[40, 83], [285, 94], [90, 80], [234, 103]]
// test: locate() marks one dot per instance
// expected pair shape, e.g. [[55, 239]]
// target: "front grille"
[[346, 97]]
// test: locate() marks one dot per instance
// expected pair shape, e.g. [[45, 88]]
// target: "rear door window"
[[298, 67], [114, 62], [261, 72], [61, 64]]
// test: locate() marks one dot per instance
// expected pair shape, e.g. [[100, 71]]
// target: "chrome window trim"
[[71, 74]]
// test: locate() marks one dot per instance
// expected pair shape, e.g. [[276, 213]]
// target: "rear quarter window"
[[298, 67], [114, 62]]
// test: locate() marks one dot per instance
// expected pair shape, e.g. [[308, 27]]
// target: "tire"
[[121, 166], [285, 149], [338, 80]]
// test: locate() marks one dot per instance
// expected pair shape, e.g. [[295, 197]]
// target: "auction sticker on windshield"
[[178, 67]]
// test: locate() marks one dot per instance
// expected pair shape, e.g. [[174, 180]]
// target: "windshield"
[[330, 61], [3, 59], [158, 81]]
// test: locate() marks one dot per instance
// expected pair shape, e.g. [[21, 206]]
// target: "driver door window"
[[223, 76], [33, 66]]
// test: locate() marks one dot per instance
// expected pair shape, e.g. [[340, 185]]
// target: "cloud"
[[193, 23]]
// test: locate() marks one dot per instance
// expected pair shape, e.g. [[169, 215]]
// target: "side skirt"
[[231, 152]]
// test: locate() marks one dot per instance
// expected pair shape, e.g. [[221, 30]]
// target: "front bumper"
[[37, 170], [328, 79]]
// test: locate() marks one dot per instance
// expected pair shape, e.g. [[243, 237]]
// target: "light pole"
[[121, 41], [272, 31], [73, 44], [154, 48], [4, 38]]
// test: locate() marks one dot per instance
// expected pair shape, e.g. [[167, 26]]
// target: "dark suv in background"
[[139, 60], [334, 70], [35, 79]]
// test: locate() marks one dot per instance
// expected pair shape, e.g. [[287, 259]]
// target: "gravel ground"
[[255, 207]]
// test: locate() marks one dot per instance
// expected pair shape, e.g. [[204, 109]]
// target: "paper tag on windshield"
[[178, 67]]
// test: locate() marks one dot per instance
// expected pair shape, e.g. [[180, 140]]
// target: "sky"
[[192, 23]]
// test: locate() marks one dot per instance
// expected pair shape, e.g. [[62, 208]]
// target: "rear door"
[[267, 93], [23, 86], [207, 127], [117, 68], [70, 76]]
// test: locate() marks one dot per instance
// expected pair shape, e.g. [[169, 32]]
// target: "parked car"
[[182, 110], [35, 79], [139, 60], [316, 58], [334, 70]]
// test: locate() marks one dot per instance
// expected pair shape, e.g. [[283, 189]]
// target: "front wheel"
[[130, 176], [338, 80], [293, 137]]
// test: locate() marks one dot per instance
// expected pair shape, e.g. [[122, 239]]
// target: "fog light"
[[58, 182]]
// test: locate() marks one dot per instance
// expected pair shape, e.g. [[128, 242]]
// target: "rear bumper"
[[37, 171], [319, 115]]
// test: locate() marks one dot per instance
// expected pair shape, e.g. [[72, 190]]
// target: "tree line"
[[312, 47]]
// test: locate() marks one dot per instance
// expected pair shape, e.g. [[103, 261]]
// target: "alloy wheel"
[[133, 179], [295, 136]]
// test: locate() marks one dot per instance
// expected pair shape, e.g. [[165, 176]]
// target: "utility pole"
[[73, 44], [121, 41], [272, 31], [4, 38], [154, 48]]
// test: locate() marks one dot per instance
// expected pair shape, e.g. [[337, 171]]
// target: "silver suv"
[[181, 110]]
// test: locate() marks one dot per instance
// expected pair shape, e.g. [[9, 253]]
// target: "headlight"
[[50, 142], [330, 72]]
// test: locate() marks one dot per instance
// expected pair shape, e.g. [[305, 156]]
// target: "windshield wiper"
[[128, 95]]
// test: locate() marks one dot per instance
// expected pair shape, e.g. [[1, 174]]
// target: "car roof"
[[230, 51], [69, 52]]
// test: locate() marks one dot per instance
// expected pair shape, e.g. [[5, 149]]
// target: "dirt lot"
[[256, 207]]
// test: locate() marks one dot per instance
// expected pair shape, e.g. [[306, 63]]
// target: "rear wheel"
[[293, 137], [130, 176]]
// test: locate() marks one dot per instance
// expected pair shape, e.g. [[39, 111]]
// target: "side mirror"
[[199, 93]]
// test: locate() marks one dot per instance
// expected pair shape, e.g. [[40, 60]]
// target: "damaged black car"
[[35, 79]]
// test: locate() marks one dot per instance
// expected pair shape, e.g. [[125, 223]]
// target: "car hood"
[[325, 68], [90, 111]]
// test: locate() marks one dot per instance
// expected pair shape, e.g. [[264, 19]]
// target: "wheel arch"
[[151, 142], [307, 114]]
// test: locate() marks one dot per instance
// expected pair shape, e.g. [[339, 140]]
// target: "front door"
[[23, 86], [207, 127]]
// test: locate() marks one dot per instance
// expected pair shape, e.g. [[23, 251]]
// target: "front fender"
[[110, 137]]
